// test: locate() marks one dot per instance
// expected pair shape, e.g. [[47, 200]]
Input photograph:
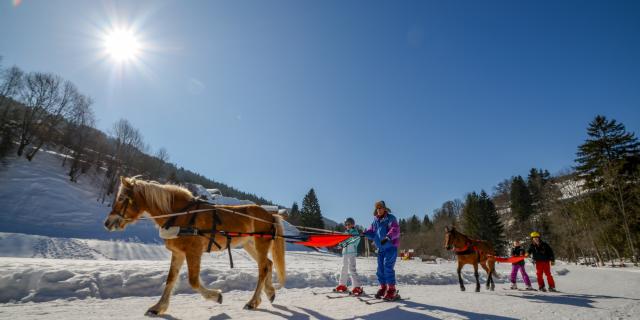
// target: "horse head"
[[451, 238], [126, 206]]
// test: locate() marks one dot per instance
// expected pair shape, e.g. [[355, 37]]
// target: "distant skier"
[[349, 253], [518, 251], [385, 232], [543, 257]]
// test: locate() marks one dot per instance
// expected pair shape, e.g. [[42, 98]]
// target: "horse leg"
[[475, 273], [492, 268], [460, 265], [484, 266], [269, 290], [177, 258], [193, 263], [262, 250]]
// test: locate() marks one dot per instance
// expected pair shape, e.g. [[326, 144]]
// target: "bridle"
[[128, 201]]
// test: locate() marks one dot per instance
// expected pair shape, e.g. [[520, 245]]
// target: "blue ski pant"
[[386, 262]]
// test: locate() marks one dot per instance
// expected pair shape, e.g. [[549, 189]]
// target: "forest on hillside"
[[42, 110]]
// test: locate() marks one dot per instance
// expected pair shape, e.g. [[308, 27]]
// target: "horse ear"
[[125, 182]]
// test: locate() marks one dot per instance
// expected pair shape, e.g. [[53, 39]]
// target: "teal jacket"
[[350, 246]]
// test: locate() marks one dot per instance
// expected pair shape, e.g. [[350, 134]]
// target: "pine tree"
[[536, 182], [294, 214], [414, 224], [608, 144], [472, 215], [480, 220], [311, 215], [521, 206], [426, 223], [609, 160], [403, 225]]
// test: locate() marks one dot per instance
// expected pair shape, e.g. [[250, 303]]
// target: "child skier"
[[543, 257], [386, 234], [349, 253], [518, 251]]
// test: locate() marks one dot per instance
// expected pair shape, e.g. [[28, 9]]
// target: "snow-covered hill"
[[38, 198]]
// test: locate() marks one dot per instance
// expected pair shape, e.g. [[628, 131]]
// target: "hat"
[[349, 221], [380, 204], [535, 234]]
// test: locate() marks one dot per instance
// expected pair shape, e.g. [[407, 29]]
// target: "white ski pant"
[[349, 269]]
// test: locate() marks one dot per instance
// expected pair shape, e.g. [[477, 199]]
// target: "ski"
[[346, 296], [525, 290], [315, 293], [372, 300]]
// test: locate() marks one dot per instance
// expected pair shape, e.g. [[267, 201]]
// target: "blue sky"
[[413, 102]]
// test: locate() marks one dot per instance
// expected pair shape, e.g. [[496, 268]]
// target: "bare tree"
[[80, 121], [53, 117], [10, 84], [128, 141]]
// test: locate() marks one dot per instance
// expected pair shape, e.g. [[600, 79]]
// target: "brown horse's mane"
[[158, 196], [467, 238]]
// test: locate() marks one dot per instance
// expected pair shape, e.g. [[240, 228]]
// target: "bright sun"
[[122, 45]]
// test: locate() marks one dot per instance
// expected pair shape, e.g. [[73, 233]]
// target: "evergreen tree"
[[311, 215], [294, 215], [536, 182], [480, 220], [414, 224], [608, 147], [403, 225], [521, 206], [609, 161], [426, 223]]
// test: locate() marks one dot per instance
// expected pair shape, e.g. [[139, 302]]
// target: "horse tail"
[[277, 252]]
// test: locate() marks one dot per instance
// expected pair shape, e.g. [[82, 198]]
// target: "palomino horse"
[[136, 197], [474, 252]]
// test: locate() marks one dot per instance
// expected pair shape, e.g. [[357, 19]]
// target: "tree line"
[[591, 212], [42, 110]]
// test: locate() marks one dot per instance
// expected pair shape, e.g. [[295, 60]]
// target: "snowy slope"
[[37, 198], [34, 246]]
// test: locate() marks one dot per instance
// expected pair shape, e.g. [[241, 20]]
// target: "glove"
[[384, 240], [553, 263]]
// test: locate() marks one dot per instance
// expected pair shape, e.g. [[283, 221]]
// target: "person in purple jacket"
[[385, 232]]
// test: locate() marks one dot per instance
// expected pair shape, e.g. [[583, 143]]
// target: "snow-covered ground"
[[109, 285]]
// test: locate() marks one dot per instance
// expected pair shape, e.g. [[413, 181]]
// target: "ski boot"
[[514, 286], [392, 294], [357, 291], [543, 289], [341, 289], [381, 292], [530, 288], [553, 290]]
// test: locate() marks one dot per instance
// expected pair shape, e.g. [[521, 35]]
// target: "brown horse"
[[474, 252], [136, 197]]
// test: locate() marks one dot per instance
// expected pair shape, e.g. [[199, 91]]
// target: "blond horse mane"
[[158, 196]]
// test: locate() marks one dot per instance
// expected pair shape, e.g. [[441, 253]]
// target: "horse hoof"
[[477, 289], [151, 313], [462, 288], [219, 299], [272, 298], [248, 307]]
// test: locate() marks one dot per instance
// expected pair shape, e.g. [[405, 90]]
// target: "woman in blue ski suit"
[[385, 232]]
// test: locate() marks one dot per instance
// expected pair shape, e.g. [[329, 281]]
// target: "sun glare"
[[122, 45]]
